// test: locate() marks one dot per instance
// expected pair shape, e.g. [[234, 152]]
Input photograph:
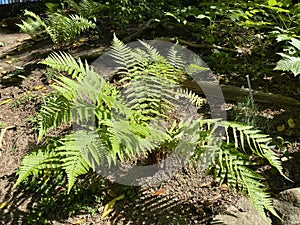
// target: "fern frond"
[[63, 29], [153, 53], [56, 111], [86, 8], [191, 96], [122, 54], [33, 163], [73, 162], [233, 168], [33, 24], [175, 57], [247, 137], [65, 62]]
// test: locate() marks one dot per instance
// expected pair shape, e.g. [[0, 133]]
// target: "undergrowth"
[[111, 123]]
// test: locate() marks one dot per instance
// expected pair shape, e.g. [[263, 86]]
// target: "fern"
[[43, 158], [122, 123], [55, 112], [33, 24], [61, 28], [86, 8], [65, 62], [234, 168], [232, 161]]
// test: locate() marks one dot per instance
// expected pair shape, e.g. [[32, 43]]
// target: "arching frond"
[[65, 62]]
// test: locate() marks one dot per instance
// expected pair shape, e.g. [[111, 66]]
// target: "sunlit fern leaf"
[[122, 54], [191, 96], [246, 136], [33, 163], [233, 168], [153, 53], [63, 29], [55, 112], [289, 63], [33, 24], [73, 163], [65, 62], [259, 197], [175, 57]]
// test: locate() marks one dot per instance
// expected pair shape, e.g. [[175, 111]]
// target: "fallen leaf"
[[36, 88], [206, 184], [158, 192], [6, 101], [224, 187], [79, 221], [291, 123], [108, 208], [3, 204]]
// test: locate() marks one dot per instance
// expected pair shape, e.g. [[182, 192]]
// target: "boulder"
[[287, 204], [243, 213]]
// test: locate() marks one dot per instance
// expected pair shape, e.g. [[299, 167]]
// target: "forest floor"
[[188, 197]]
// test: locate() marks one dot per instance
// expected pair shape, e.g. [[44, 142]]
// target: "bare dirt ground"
[[189, 197]]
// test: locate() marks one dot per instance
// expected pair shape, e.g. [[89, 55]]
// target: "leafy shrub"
[[108, 126]]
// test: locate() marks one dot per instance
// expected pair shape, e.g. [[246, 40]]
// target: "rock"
[[243, 213], [287, 204]]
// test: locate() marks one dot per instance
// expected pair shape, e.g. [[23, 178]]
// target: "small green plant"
[[61, 28], [291, 59], [124, 127]]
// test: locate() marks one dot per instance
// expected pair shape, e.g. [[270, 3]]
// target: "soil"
[[188, 197]]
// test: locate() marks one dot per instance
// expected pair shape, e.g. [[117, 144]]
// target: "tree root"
[[193, 45]]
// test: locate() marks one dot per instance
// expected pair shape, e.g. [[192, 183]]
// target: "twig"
[[3, 131]]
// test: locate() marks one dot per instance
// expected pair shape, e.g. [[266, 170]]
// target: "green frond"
[[63, 29], [152, 53], [233, 168], [65, 62], [194, 99], [33, 163], [246, 137], [175, 57], [56, 111], [86, 8], [33, 24], [122, 54], [73, 162]]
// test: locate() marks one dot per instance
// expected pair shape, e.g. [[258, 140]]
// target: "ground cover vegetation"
[[255, 38]]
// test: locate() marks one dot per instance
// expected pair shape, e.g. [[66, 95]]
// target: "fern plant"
[[119, 122], [61, 28]]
